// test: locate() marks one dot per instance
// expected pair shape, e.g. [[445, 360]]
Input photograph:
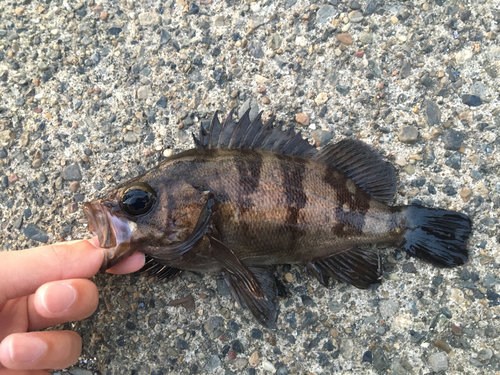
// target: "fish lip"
[[113, 232]]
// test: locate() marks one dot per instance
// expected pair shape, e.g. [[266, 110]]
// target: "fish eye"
[[138, 199]]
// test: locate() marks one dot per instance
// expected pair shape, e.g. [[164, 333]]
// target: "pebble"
[[130, 137], [144, 92], [466, 194], [452, 139], [289, 277], [401, 161], [34, 232], [37, 163], [213, 363], [74, 186], [268, 366], [365, 37], [345, 38], [324, 13], [302, 119], [266, 100], [254, 359], [355, 16], [438, 362], [433, 113], [443, 345], [408, 134], [321, 99], [72, 172], [471, 100]]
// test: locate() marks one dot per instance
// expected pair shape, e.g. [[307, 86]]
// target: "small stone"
[[394, 19], [401, 161], [355, 16], [213, 363], [19, 11], [193, 8], [104, 15], [3, 153], [438, 362], [72, 172], [345, 38], [380, 361], [213, 326], [268, 366], [343, 89], [321, 99], [471, 100], [433, 112], [452, 140], [162, 102], [365, 38], [6, 138], [144, 92], [165, 37], [24, 139], [266, 100], [37, 163], [466, 194], [130, 137], [370, 7], [36, 233], [289, 277], [149, 18], [408, 134], [443, 345], [302, 119], [274, 41], [74, 186], [254, 359], [325, 12]]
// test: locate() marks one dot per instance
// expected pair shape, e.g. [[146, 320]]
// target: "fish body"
[[251, 196]]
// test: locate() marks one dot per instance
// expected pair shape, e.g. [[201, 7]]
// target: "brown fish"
[[250, 196]]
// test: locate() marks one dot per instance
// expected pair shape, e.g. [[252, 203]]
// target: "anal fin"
[[252, 287], [358, 267]]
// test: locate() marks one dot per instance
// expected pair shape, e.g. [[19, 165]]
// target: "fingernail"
[[26, 348], [58, 297]]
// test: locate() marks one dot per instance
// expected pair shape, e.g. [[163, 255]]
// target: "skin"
[[42, 287]]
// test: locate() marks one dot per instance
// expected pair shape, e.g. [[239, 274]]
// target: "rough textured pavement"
[[93, 94]]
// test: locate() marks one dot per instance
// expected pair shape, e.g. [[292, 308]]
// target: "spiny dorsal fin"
[[247, 133], [363, 165]]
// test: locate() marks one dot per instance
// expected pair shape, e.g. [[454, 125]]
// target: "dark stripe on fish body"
[[352, 205], [293, 172], [249, 170]]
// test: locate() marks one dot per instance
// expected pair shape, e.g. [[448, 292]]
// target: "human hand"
[[42, 287]]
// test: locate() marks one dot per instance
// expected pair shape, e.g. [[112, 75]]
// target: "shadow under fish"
[[250, 196]]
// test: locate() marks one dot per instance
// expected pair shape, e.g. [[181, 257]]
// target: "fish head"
[[134, 217]]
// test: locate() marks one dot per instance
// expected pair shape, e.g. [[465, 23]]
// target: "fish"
[[251, 195]]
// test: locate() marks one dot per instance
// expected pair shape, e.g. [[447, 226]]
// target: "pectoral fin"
[[358, 267], [174, 252], [153, 268], [253, 287]]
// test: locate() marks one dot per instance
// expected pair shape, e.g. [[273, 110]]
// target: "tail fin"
[[437, 236]]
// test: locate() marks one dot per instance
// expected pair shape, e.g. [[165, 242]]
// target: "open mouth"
[[114, 233]]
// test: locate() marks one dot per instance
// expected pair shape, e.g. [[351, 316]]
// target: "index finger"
[[22, 272]]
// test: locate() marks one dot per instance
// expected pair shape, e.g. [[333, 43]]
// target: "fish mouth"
[[114, 233]]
